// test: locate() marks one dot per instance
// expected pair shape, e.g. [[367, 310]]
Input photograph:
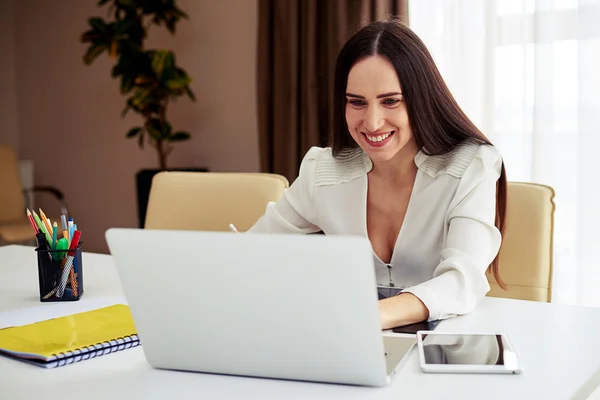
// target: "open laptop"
[[297, 307]]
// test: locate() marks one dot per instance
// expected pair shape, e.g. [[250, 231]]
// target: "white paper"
[[55, 310]]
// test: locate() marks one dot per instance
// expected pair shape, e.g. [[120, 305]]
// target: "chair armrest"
[[56, 192]]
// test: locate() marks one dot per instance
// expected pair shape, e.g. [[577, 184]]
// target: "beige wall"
[[8, 88], [69, 114]]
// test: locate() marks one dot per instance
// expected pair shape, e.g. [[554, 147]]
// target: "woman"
[[410, 171]]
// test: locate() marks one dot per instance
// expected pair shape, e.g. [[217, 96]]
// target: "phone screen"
[[464, 349], [414, 328]]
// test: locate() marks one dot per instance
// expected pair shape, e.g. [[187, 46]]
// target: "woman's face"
[[375, 110]]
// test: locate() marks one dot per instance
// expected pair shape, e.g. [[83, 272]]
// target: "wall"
[[8, 88], [69, 114]]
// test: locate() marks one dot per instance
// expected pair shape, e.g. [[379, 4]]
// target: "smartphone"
[[469, 353], [414, 328]]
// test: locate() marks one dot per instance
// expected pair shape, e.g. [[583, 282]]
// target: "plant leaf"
[[180, 136], [126, 3], [169, 69], [126, 84], [92, 53], [133, 132], [97, 24], [166, 129], [179, 82], [123, 26], [141, 97], [145, 80], [171, 25], [189, 93], [158, 62], [154, 128], [90, 37], [128, 107]]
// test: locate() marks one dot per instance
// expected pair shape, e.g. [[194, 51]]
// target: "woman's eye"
[[391, 102], [356, 103]]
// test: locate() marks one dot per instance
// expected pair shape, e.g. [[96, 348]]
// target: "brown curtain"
[[298, 42]]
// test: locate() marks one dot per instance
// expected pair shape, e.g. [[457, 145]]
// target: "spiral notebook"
[[60, 341]]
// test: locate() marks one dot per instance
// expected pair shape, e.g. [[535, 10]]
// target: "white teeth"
[[380, 138]]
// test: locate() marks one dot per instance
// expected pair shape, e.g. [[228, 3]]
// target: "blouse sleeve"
[[295, 211], [459, 282]]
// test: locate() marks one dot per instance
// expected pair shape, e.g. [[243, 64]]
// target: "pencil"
[[46, 221], [233, 228], [32, 222], [42, 227]]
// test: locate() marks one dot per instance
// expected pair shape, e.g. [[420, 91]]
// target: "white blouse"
[[447, 240]]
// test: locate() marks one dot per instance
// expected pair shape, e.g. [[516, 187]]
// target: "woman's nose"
[[373, 119]]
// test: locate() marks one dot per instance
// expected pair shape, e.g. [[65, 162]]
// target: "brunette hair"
[[437, 122]]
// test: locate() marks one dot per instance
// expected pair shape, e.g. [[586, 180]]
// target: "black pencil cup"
[[60, 273]]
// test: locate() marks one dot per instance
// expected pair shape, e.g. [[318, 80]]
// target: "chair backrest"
[[210, 200], [527, 244], [12, 201]]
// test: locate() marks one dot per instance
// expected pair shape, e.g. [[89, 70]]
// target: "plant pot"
[[143, 180]]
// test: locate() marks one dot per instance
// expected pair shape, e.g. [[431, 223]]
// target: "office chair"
[[527, 245], [14, 226], [210, 200]]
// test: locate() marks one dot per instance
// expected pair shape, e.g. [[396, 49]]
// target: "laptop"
[[283, 306]]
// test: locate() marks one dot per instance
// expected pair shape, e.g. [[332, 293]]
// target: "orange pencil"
[[46, 221]]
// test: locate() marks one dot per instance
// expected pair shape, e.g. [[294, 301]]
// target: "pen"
[[70, 228], [233, 228], [54, 235], [60, 290], [63, 221]]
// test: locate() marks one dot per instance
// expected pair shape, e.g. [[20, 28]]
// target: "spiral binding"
[[96, 350]]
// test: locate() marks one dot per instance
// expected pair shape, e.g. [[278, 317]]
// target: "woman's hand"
[[404, 309]]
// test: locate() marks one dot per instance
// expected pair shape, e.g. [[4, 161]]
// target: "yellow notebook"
[[65, 340]]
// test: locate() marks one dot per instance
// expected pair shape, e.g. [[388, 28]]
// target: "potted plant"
[[149, 78]]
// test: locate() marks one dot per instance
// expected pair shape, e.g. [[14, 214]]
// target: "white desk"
[[559, 347]]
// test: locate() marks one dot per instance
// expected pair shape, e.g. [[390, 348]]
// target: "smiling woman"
[[377, 118], [410, 171]]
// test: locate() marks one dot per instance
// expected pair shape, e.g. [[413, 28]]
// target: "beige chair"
[[526, 253], [14, 227], [210, 200]]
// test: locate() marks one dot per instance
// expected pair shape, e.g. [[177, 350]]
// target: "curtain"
[[526, 71], [298, 43]]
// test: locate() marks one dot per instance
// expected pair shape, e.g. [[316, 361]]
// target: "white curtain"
[[528, 73]]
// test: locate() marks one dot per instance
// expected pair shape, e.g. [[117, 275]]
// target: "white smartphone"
[[468, 353]]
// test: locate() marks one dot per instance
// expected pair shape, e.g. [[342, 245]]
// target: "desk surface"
[[558, 345]]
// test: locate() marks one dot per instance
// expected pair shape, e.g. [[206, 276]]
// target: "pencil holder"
[[60, 272]]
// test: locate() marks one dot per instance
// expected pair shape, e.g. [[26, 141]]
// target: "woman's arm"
[[459, 282], [404, 309], [295, 211]]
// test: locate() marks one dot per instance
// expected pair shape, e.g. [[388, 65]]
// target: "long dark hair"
[[437, 122]]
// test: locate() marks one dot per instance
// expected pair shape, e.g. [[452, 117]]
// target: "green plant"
[[150, 78]]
